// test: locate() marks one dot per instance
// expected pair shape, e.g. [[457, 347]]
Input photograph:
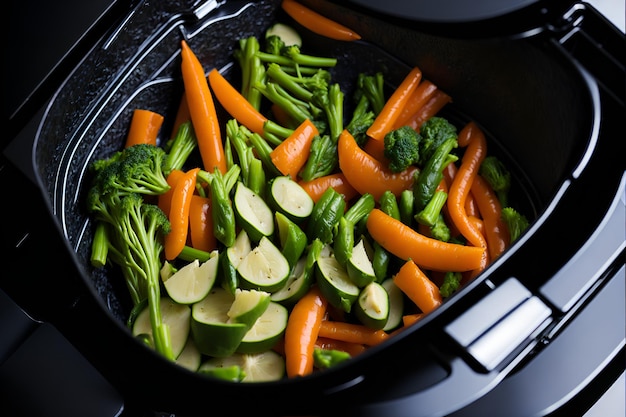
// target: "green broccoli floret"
[[516, 223], [330, 101], [274, 45], [369, 98], [129, 231], [434, 132], [373, 88], [451, 283], [402, 148], [137, 169], [440, 229], [326, 358], [498, 176]]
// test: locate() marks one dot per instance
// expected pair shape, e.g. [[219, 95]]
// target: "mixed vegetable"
[[291, 236]]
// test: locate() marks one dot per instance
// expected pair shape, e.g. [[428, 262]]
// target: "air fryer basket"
[[533, 103]]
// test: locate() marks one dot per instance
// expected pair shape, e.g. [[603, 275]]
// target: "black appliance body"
[[550, 96]]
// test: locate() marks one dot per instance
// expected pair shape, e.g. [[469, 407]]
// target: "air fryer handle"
[[462, 386]]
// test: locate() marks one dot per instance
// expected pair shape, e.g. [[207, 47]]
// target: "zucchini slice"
[[372, 306], [335, 284], [266, 331], [289, 198], [258, 367], [265, 268], [252, 213], [175, 316], [396, 304], [360, 267]]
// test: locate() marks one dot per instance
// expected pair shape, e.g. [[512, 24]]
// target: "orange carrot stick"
[[368, 175], [302, 331], [416, 285], [351, 332], [424, 91], [165, 199], [392, 109], [317, 23], [144, 127], [497, 234], [201, 224], [473, 138], [202, 111], [409, 319], [332, 344], [292, 153], [235, 103], [438, 100], [176, 239], [315, 188], [406, 243]]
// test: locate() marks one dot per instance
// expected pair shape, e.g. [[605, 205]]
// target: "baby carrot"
[[404, 242], [202, 111], [424, 91], [316, 187], [351, 332], [291, 154], [428, 110], [368, 175], [165, 199], [201, 224], [409, 319], [416, 285], [473, 138], [496, 232], [392, 109], [302, 330], [144, 127], [317, 23], [235, 103], [176, 239], [352, 348]]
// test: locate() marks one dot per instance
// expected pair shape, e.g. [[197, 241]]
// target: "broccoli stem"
[[296, 109], [275, 72], [429, 214], [322, 158], [100, 246], [179, 148], [252, 68]]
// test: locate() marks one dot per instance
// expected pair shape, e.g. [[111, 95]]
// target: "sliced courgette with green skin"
[[265, 268], [257, 367], [175, 316], [360, 267], [248, 306], [335, 284], [190, 357], [212, 332], [372, 306], [296, 285], [192, 282], [252, 213], [288, 197], [396, 304], [266, 331]]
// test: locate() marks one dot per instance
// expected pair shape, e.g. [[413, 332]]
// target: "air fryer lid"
[[138, 65]]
